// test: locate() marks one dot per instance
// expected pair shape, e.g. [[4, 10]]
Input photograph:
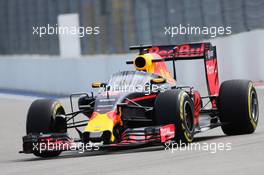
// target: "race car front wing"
[[131, 137]]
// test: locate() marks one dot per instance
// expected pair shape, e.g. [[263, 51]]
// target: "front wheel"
[[176, 107], [41, 119]]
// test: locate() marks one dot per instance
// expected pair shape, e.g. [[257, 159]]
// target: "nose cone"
[[100, 128], [99, 122]]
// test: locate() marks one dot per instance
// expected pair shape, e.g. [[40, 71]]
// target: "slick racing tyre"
[[176, 107], [41, 119], [238, 107]]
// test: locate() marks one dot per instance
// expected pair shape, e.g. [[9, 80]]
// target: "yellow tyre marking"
[[249, 106], [183, 127], [187, 136], [57, 106]]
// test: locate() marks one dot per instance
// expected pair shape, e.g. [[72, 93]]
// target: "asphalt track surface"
[[245, 157]]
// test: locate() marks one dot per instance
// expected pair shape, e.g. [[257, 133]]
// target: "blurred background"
[[122, 22], [30, 63]]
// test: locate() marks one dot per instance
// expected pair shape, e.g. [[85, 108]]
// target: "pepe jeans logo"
[[166, 132]]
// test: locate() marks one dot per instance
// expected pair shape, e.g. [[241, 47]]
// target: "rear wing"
[[191, 51], [179, 52]]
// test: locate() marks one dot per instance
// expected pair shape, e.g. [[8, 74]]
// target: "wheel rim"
[[188, 117], [254, 106]]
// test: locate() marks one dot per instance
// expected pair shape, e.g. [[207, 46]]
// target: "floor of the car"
[[206, 124]]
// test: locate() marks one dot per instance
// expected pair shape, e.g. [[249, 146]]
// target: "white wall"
[[239, 56]]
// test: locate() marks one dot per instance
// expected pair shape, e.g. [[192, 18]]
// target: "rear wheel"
[[176, 107], [238, 107], [41, 119]]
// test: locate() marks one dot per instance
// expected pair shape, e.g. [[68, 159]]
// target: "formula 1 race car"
[[145, 106]]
